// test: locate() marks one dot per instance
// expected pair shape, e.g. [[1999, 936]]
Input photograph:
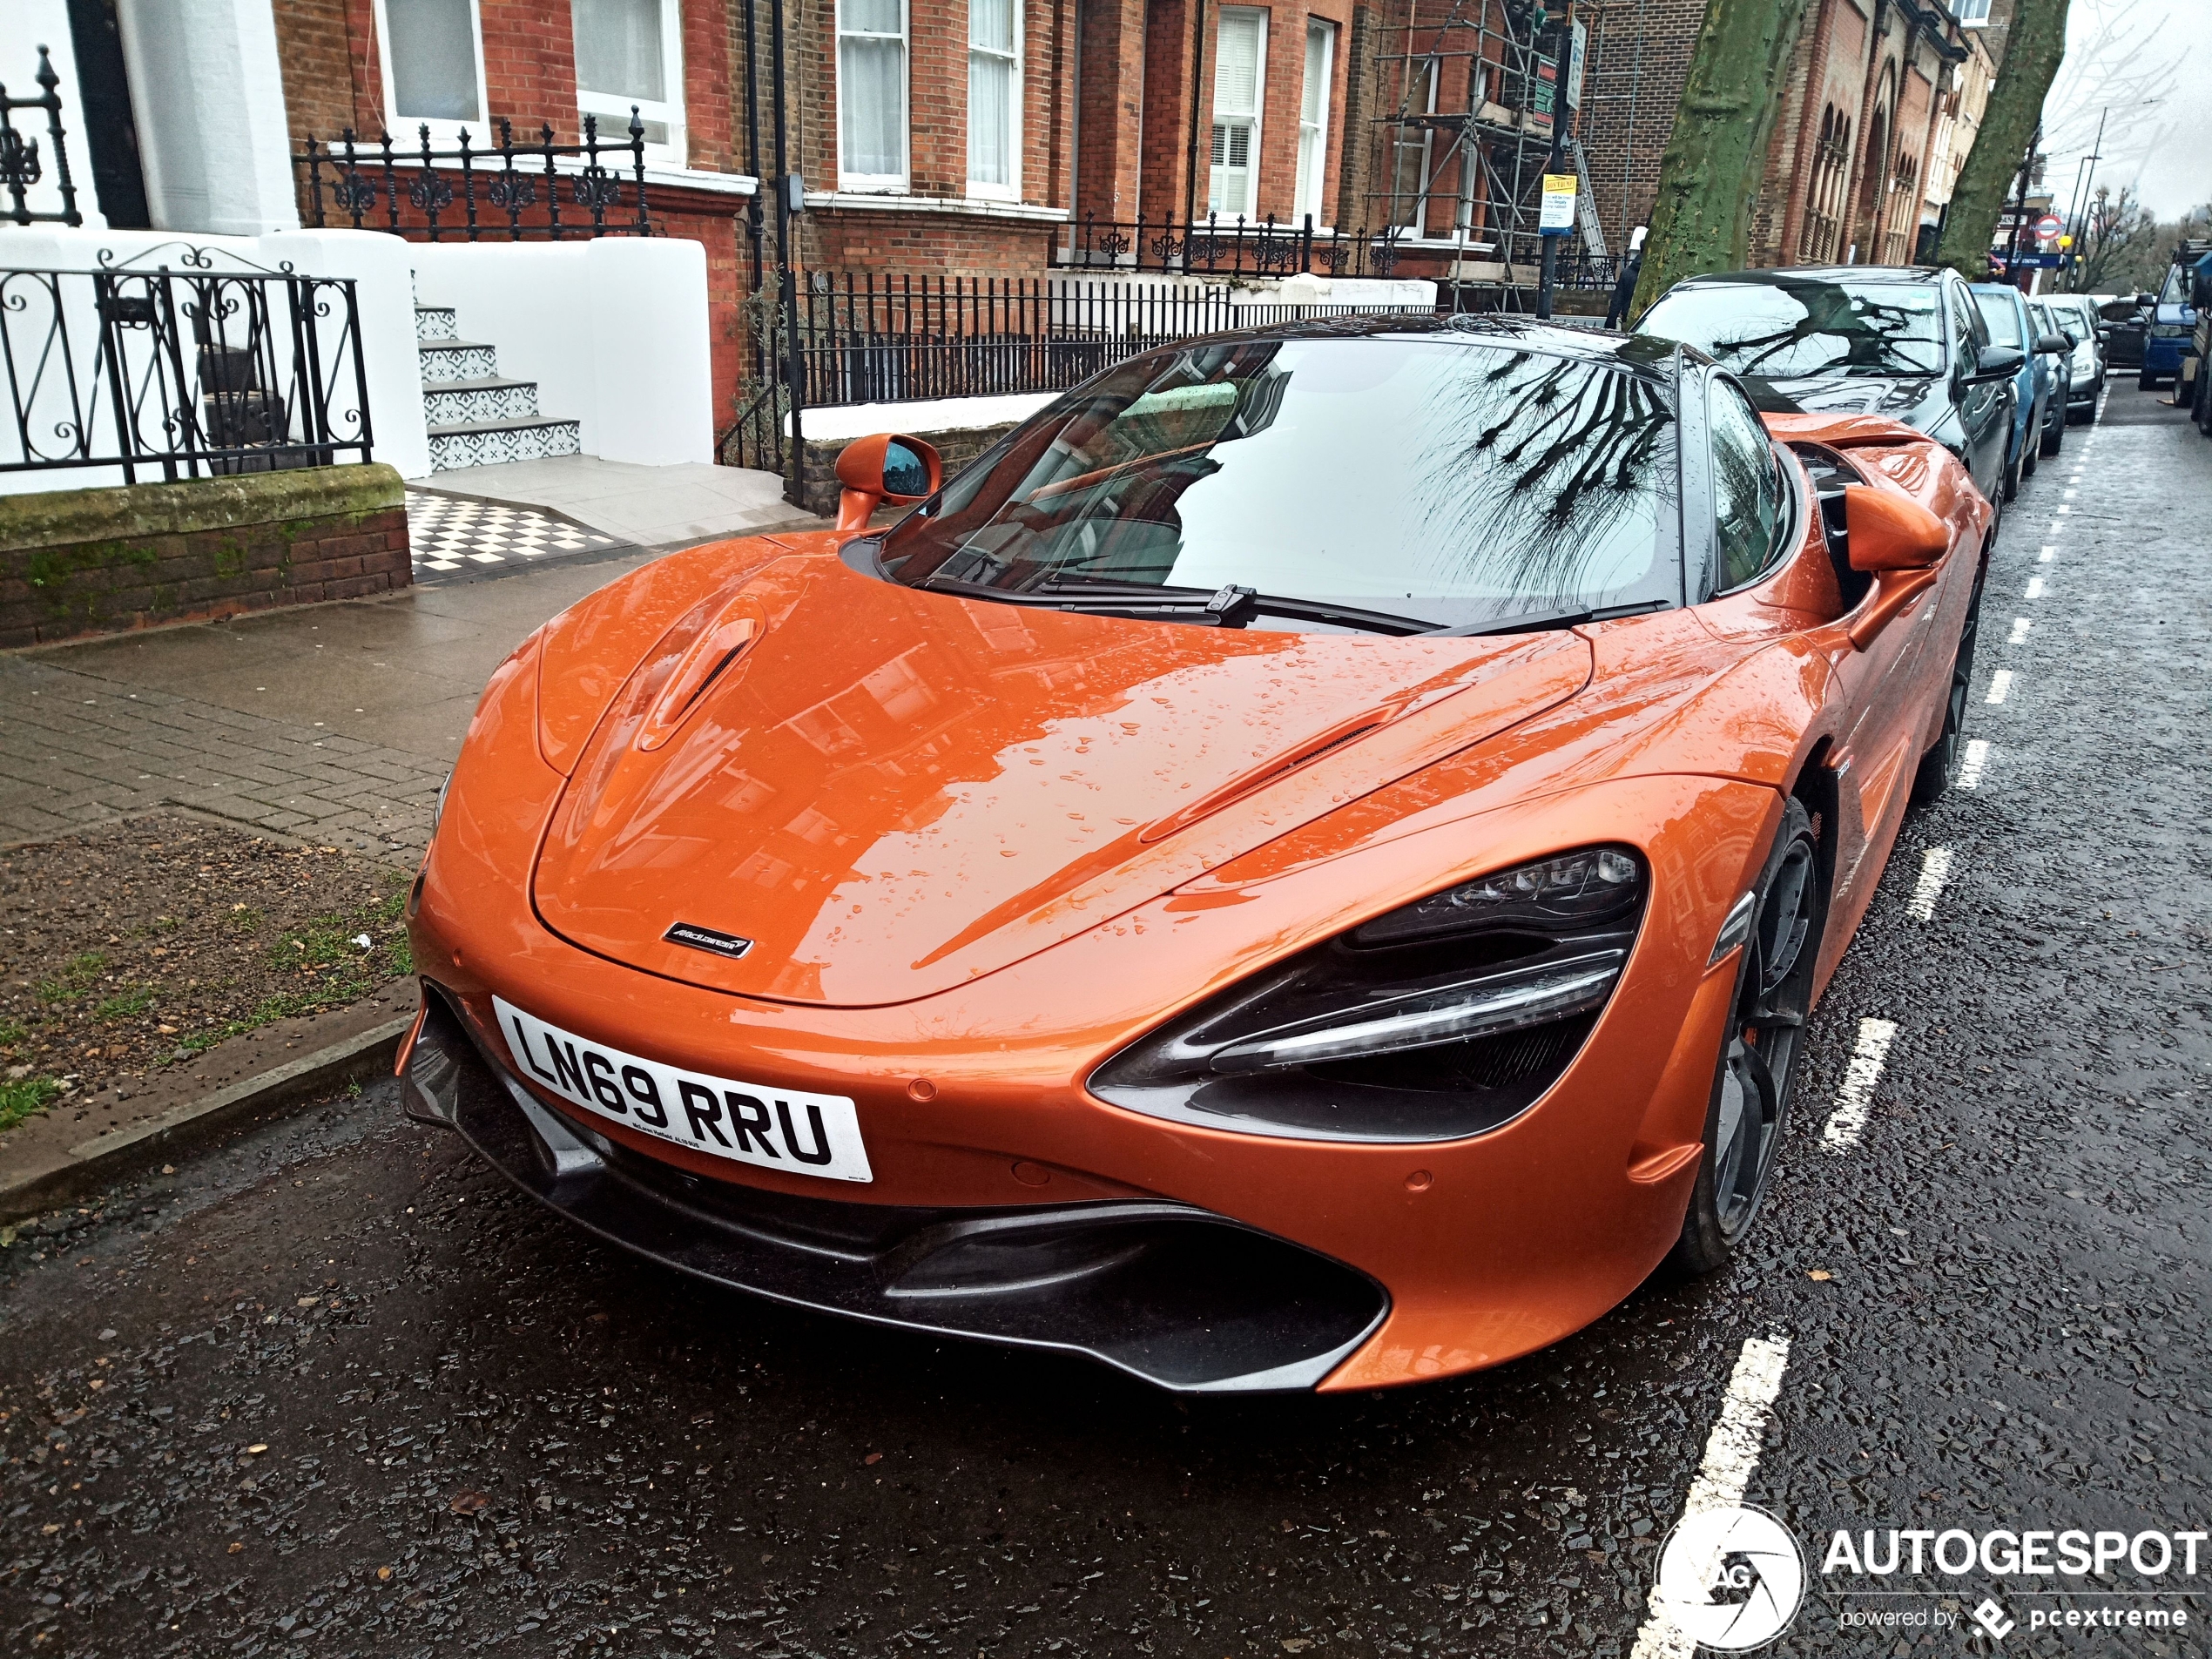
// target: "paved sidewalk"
[[334, 723], [641, 505]]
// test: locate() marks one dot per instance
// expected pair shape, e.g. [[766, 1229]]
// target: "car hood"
[[1898, 396], [889, 793]]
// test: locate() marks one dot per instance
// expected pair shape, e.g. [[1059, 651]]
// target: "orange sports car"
[[1304, 868]]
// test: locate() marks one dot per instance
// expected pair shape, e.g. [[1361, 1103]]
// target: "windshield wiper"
[[1230, 606], [1532, 622]]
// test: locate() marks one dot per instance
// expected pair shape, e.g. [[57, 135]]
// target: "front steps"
[[477, 417]]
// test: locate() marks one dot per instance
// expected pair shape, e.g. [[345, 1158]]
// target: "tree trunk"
[[1716, 156], [2032, 55]]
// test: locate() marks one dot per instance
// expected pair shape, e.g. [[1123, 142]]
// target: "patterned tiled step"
[[479, 402], [433, 322], [486, 443], [446, 361]]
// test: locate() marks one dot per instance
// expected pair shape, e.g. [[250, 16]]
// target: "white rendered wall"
[[207, 95], [614, 331]]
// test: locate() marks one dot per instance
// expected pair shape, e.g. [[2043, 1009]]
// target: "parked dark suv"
[[1908, 342]]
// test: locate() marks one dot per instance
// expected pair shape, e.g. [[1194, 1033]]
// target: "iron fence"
[[471, 193], [200, 364], [20, 166], [872, 339], [1232, 248]]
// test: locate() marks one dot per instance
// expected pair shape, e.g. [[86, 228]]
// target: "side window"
[[1969, 333], [1748, 504]]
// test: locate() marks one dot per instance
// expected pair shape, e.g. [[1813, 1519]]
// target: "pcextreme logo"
[[1729, 1579]]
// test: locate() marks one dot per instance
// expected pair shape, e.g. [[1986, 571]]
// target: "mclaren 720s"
[[1304, 868]]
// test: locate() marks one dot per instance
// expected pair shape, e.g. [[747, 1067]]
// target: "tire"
[[2054, 432], [2145, 380], [2012, 480], [1755, 1074], [1940, 763]]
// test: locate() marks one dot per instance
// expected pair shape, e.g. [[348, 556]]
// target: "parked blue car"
[[2171, 336], [2006, 312]]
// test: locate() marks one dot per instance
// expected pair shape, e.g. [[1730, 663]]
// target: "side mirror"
[[2053, 342], [885, 468], [1889, 531], [2145, 299], [1997, 363]]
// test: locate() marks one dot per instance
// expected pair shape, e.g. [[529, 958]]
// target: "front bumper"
[[1167, 1292]]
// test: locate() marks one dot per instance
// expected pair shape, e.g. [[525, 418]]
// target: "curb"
[[104, 1157]]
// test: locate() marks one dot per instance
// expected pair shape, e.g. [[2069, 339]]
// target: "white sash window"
[[434, 70], [631, 52], [1239, 82], [1313, 119], [872, 94], [995, 98]]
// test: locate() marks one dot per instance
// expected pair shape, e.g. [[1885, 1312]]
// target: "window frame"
[[444, 133], [1251, 212], [1308, 194], [901, 183], [1010, 192], [669, 112]]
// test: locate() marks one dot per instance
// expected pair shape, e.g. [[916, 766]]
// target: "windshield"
[[1998, 311], [1441, 481], [1786, 327], [2065, 317], [2176, 291]]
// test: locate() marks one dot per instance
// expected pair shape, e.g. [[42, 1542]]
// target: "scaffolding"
[[1474, 96]]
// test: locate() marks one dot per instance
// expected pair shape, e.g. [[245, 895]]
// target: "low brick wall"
[[956, 450], [101, 560]]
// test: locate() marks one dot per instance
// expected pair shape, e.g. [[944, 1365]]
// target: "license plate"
[[773, 1129]]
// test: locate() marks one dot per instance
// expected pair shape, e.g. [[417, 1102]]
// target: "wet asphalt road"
[[336, 1389]]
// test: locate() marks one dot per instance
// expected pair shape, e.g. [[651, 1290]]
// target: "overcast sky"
[[2150, 60]]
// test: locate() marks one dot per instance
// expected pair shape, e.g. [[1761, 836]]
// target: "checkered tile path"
[[453, 533]]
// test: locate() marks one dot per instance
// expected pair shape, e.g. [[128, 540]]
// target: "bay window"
[[1313, 119], [631, 52], [995, 98], [872, 95], [1239, 82]]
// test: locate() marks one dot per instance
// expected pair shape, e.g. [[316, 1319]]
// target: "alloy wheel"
[[1765, 1036]]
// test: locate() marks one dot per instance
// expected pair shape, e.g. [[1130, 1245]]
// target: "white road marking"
[[2021, 625], [2034, 588], [2000, 683], [2069, 495], [1856, 1097], [2046, 555], [2063, 511], [1935, 869], [1731, 1453], [1977, 761]]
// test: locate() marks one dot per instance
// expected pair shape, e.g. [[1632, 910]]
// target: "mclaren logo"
[[705, 938]]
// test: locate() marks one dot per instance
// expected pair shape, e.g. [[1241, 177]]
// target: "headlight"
[[1445, 1018], [2169, 331], [439, 811]]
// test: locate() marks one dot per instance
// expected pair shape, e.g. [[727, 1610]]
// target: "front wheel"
[[1759, 1051], [2054, 431], [2011, 484], [2145, 380]]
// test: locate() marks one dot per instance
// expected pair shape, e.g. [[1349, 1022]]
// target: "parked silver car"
[[2076, 316]]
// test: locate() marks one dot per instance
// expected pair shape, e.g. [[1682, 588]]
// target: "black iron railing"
[[20, 165], [874, 339], [1231, 248], [181, 363], [470, 192]]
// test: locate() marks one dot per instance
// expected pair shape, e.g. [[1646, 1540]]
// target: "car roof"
[[1784, 276], [1646, 355]]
